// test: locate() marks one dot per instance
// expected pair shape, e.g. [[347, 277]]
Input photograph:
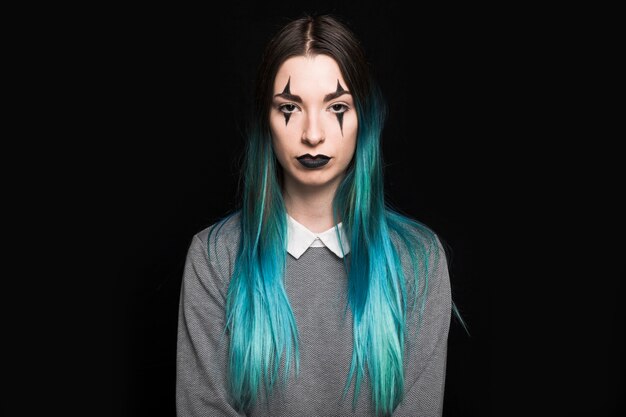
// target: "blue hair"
[[259, 318]]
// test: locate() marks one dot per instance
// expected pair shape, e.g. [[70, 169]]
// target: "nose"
[[313, 132]]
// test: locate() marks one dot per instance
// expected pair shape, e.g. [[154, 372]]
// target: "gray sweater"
[[316, 286]]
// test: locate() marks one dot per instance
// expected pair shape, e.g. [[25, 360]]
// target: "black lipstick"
[[316, 161]]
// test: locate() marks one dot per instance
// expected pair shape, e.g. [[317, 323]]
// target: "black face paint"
[[339, 115], [286, 90]]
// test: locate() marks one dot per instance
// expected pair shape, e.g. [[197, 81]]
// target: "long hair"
[[259, 317]]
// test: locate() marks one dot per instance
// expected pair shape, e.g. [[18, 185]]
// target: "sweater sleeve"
[[426, 370], [202, 353]]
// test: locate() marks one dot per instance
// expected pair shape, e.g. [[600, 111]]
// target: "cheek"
[[350, 136], [278, 128], [350, 131], [351, 147], [274, 127], [278, 141], [352, 121]]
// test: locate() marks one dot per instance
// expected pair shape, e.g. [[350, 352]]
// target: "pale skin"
[[312, 112]]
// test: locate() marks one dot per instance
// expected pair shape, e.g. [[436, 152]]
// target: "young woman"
[[314, 298]]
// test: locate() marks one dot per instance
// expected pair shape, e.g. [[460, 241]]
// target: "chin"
[[318, 179], [313, 182]]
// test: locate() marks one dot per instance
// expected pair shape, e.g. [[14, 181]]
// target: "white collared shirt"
[[300, 238]]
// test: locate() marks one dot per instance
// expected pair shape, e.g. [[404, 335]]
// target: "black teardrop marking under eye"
[[340, 118], [286, 90], [339, 115]]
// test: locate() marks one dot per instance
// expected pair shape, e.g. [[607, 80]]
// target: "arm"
[[202, 355], [426, 368]]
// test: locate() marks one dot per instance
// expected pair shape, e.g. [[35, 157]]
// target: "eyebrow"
[[298, 99]]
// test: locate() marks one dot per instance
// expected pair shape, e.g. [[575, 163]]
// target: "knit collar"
[[300, 238]]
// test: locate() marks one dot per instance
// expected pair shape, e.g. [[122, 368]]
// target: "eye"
[[288, 108], [339, 108]]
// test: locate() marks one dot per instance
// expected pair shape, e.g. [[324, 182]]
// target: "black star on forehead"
[[286, 90]]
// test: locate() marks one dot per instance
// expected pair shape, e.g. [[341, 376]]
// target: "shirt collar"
[[299, 239]]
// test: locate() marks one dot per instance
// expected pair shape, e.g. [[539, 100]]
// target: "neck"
[[311, 206]]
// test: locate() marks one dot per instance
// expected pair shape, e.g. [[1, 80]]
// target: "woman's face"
[[312, 114]]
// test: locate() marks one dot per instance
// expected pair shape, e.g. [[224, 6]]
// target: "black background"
[[488, 142]]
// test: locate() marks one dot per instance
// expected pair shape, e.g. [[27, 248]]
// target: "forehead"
[[309, 74]]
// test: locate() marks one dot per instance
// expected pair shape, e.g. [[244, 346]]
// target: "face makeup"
[[313, 121], [313, 162]]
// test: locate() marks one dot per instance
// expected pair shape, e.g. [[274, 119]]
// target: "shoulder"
[[411, 235], [218, 244], [420, 249], [225, 232]]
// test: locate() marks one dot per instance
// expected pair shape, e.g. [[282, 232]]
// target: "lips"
[[310, 161], [309, 156]]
